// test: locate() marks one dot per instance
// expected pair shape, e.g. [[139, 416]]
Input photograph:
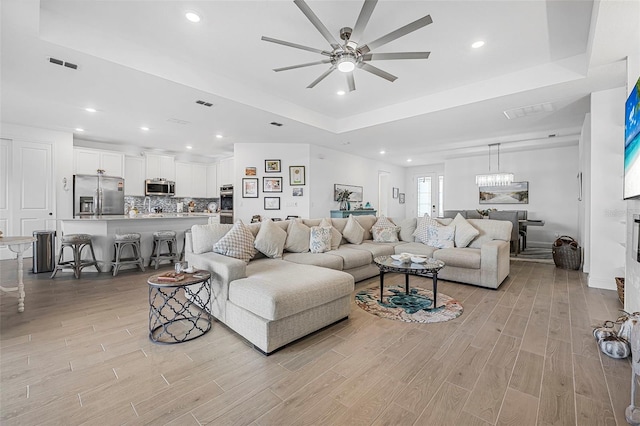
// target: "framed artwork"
[[272, 166], [272, 203], [297, 192], [516, 193], [396, 191], [249, 171], [296, 175], [356, 192], [271, 184], [401, 198], [249, 187]]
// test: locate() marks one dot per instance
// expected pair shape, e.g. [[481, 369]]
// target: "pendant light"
[[494, 179]]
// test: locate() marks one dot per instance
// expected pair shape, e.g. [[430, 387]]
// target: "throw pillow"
[[407, 228], [298, 236], [320, 240], [385, 231], [203, 237], [237, 243], [270, 239], [336, 236], [465, 232], [421, 232], [441, 236], [353, 232]]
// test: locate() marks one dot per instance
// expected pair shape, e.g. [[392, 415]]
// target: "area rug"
[[534, 254], [396, 305]]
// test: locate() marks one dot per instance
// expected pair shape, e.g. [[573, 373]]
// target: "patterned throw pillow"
[[421, 232], [320, 240], [441, 236], [465, 232], [270, 239], [336, 236], [238, 243], [353, 231], [385, 231]]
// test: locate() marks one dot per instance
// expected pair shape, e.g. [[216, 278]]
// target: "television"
[[632, 144]]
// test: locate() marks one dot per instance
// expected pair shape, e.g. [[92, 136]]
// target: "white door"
[[427, 194], [384, 193], [30, 190]]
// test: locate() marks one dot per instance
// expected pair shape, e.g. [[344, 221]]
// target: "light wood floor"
[[521, 355]]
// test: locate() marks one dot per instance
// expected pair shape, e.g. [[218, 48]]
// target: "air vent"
[[63, 63], [204, 103], [274, 123], [177, 121], [528, 110]]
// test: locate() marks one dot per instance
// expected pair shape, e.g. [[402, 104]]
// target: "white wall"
[[553, 193], [584, 211], [607, 209]]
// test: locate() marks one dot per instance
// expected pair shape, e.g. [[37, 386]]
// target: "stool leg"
[[77, 258], [116, 257], [138, 255], [60, 257], [93, 256]]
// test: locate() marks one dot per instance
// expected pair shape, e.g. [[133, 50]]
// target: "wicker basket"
[[567, 254], [620, 286]]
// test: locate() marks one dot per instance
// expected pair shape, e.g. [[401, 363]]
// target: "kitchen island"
[[104, 228]]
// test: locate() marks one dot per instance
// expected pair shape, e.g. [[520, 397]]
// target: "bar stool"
[[77, 242], [159, 237], [122, 241], [184, 243]]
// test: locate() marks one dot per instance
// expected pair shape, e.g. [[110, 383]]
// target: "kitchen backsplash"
[[169, 204]]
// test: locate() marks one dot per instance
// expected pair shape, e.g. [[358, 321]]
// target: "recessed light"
[[219, 136], [144, 128], [192, 16], [189, 147], [78, 129], [409, 160], [340, 92], [383, 152], [90, 109], [478, 44]]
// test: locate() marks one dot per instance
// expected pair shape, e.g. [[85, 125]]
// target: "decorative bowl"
[[418, 259]]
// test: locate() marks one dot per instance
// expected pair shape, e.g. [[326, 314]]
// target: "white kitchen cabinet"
[[160, 166], [199, 180], [191, 180], [183, 179], [213, 190], [134, 169], [87, 161], [226, 172]]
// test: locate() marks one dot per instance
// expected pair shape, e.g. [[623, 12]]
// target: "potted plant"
[[343, 198]]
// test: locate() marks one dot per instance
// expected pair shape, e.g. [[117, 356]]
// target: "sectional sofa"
[[283, 287]]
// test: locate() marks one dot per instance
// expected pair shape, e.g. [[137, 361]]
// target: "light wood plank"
[[518, 409]]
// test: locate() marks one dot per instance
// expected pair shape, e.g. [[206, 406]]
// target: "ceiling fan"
[[350, 55]]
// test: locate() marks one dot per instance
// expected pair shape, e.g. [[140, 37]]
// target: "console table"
[[18, 245], [346, 213]]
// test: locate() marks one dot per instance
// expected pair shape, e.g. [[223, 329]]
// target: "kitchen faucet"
[[144, 203]]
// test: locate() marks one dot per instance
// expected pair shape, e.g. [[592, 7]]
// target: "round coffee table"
[[177, 310], [429, 268]]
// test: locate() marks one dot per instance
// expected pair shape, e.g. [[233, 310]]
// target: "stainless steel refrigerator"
[[98, 195]]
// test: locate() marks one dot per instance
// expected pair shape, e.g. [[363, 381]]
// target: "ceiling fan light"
[[346, 64]]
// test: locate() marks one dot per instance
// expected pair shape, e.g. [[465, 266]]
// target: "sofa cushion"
[[353, 231], [275, 289], [415, 248], [465, 232], [461, 257], [407, 228], [376, 249], [366, 221], [270, 239], [336, 236], [352, 258], [324, 260], [320, 239], [490, 230], [298, 237], [238, 243], [203, 237]]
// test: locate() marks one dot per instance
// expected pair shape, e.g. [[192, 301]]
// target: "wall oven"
[[226, 204]]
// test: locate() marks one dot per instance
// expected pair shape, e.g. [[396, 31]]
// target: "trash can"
[[44, 251]]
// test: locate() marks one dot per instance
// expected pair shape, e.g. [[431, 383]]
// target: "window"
[[440, 196], [424, 195]]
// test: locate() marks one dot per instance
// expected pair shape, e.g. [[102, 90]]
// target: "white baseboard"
[[606, 283]]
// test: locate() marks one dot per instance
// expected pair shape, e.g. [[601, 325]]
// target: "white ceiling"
[[142, 63]]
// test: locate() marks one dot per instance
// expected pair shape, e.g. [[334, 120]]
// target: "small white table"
[[17, 245]]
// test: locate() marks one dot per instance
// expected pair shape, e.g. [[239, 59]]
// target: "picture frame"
[[395, 192], [250, 187], [250, 171], [515, 193], [272, 203], [356, 191], [272, 184], [297, 192], [401, 198], [272, 166], [296, 176]]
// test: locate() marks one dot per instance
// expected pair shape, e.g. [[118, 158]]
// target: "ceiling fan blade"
[[415, 25], [363, 19], [351, 82], [393, 56], [319, 79], [308, 64], [297, 46], [304, 7], [377, 71]]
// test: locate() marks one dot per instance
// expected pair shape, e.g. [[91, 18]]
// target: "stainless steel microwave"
[[159, 187]]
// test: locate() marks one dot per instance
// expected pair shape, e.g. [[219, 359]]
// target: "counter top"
[[141, 216]]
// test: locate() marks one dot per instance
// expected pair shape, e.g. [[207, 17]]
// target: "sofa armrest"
[[494, 262]]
